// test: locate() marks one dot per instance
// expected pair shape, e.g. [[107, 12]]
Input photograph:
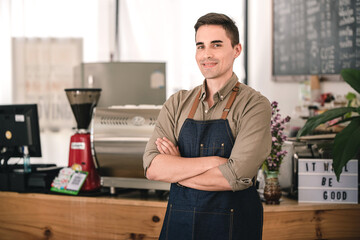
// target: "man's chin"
[[208, 75]]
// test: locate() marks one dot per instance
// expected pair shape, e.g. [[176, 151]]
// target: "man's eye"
[[217, 45], [200, 47]]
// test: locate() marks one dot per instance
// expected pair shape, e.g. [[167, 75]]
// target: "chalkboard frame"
[[295, 78]]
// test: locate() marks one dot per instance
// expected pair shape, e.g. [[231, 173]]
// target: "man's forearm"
[[211, 180], [169, 168]]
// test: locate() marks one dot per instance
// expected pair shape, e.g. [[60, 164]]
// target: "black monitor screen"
[[19, 126]]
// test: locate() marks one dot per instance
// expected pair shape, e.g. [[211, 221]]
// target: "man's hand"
[[199, 172], [165, 146]]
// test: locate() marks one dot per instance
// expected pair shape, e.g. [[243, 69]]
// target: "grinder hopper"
[[82, 102]]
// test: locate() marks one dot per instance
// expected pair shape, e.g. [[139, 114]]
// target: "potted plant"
[[347, 142], [271, 165]]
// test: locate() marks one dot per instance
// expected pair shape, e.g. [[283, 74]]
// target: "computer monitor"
[[19, 127]]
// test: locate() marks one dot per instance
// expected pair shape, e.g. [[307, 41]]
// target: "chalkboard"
[[315, 37]]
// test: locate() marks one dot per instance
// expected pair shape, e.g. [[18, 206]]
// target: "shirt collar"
[[223, 92]]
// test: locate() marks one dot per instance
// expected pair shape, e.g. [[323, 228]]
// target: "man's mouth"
[[209, 64]]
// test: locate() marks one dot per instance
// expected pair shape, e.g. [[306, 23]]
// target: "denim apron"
[[207, 215]]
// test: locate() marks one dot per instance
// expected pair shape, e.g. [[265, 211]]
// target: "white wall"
[[164, 37], [166, 33], [259, 60], [5, 50], [55, 144]]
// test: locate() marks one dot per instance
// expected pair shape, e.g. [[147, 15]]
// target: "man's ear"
[[237, 50]]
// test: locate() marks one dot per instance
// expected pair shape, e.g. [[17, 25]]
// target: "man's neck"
[[213, 86]]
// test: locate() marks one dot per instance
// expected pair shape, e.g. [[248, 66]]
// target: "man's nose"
[[208, 53]]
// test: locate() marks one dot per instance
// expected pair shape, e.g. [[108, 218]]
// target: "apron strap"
[[194, 106], [226, 110]]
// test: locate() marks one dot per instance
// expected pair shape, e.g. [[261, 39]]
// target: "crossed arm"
[[200, 173]]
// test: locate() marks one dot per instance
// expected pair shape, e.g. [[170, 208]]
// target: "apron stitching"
[[262, 218], [176, 210], [231, 223], [168, 222], [229, 135], [193, 228], [215, 213], [185, 122]]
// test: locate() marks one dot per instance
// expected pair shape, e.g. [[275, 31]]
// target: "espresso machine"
[[119, 135], [83, 101]]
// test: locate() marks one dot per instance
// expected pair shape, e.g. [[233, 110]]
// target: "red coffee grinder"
[[83, 101]]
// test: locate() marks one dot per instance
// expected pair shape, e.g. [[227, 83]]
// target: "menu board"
[[315, 37]]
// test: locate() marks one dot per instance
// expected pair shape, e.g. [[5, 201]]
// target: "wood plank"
[[34, 217], [287, 204], [312, 224], [43, 216]]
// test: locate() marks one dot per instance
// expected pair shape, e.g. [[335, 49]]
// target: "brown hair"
[[220, 19]]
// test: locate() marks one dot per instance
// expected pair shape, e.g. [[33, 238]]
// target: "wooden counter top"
[[117, 200], [46, 216], [134, 200], [293, 205]]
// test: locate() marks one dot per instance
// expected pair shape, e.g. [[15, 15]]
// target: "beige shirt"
[[249, 120]]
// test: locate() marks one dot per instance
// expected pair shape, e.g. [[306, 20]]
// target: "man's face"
[[214, 54]]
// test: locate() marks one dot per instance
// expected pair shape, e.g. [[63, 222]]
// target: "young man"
[[209, 143]]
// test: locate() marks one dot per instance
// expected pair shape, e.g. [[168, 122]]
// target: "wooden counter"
[[44, 216]]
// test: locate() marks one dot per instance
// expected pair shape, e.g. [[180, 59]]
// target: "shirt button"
[[222, 97], [206, 111]]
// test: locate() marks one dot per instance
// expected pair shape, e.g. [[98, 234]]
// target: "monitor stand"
[[4, 157], [12, 178]]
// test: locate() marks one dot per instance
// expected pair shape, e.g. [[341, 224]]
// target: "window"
[[162, 30]]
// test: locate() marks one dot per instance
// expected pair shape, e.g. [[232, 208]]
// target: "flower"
[[273, 161]]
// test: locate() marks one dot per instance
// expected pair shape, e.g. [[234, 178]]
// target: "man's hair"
[[220, 19]]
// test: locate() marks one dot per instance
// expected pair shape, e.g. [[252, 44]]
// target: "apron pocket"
[[213, 224], [184, 223], [180, 224], [214, 150]]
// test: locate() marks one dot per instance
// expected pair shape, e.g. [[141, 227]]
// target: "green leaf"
[[331, 114], [352, 77], [346, 146], [350, 96], [264, 167]]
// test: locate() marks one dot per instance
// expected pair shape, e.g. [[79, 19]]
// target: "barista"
[[209, 143]]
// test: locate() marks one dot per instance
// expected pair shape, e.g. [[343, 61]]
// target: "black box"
[[38, 180]]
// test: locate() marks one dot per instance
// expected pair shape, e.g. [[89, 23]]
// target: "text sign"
[[317, 182], [328, 181], [325, 166], [328, 195]]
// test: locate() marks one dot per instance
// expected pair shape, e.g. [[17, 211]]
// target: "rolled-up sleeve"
[[164, 128], [252, 144]]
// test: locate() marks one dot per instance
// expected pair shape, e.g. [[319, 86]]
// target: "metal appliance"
[[119, 135], [82, 101], [309, 147], [124, 82]]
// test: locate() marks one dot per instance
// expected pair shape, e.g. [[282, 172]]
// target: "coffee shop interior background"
[[154, 31]]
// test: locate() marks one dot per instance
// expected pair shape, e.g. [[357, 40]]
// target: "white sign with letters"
[[317, 182]]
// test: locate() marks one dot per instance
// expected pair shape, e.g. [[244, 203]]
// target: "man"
[[209, 143]]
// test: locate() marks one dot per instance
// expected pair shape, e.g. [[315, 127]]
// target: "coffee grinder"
[[83, 101]]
